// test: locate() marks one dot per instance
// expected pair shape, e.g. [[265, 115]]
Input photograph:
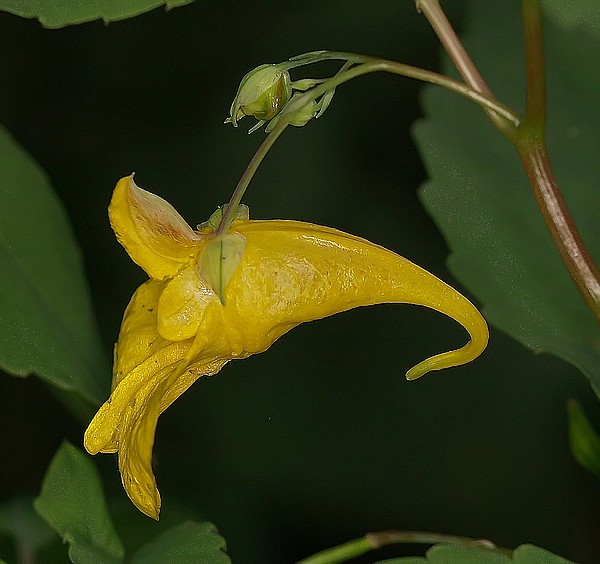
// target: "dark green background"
[[321, 439]]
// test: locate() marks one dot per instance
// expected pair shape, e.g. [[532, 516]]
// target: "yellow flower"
[[193, 315]]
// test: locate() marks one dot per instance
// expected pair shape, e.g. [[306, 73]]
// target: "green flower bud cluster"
[[266, 90]]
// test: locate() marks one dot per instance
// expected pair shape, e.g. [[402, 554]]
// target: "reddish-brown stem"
[[535, 113], [565, 235], [531, 146], [529, 141]]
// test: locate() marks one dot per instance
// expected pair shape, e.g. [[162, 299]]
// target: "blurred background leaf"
[[72, 503], [187, 543], [584, 14], [46, 320], [320, 439], [529, 554], [404, 560], [135, 529], [584, 440], [27, 529], [59, 13], [480, 198], [448, 554]]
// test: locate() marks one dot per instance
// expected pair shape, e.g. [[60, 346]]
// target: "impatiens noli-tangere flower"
[[211, 299]]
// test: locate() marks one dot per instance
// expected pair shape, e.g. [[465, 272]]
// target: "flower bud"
[[261, 94], [299, 117], [304, 114]]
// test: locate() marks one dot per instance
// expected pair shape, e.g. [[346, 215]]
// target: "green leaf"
[[446, 554], [19, 520], [529, 554], [451, 554], [188, 543], [575, 13], [72, 503], [242, 213], [46, 320], [404, 560], [135, 529], [584, 441], [479, 196], [60, 13]]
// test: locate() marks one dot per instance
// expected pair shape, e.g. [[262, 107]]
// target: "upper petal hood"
[[156, 237]]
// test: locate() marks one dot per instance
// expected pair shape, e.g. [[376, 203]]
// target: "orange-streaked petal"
[[156, 237]]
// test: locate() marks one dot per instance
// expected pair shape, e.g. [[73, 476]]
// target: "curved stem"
[[461, 59], [483, 97], [453, 45], [373, 541], [318, 56], [244, 181], [510, 121]]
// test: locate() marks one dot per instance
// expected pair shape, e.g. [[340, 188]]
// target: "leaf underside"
[[60, 13]]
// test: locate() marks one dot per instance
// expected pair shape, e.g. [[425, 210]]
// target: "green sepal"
[[306, 83], [241, 214], [219, 259]]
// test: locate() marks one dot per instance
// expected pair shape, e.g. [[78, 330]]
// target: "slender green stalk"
[[507, 117], [319, 56], [247, 176], [475, 94], [373, 541]]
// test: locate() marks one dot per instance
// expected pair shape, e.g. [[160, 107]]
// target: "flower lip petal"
[[182, 304], [153, 233]]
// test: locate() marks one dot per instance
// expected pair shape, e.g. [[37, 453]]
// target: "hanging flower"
[[212, 299]]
